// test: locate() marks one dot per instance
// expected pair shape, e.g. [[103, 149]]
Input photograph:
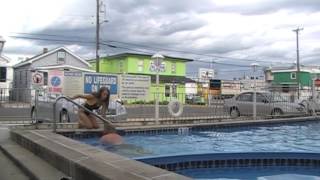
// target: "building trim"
[[62, 66]]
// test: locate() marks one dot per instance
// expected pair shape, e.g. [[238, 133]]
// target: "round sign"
[[37, 78], [55, 81]]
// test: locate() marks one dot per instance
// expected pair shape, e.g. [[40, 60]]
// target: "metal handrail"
[[105, 121]]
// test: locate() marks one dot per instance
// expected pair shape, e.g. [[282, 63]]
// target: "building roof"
[[63, 66], [4, 58], [303, 68], [172, 79], [140, 54], [39, 56]]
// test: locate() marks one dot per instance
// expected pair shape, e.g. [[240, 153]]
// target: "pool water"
[[294, 137], [254, 173]]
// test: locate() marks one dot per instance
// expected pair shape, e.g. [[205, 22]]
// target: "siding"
[[52, 60]]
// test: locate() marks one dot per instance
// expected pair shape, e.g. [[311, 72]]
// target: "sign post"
[[157, 61]]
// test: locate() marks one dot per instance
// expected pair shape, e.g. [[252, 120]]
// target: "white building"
[[60, 58], [6, 73]]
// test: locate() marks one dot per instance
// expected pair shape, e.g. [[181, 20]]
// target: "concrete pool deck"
[[81, 161]]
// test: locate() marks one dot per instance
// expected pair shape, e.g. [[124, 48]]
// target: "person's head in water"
[[103, 95]]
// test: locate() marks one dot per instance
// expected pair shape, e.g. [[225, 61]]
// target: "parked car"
[[67, 111], [312, 105], [267, 103]]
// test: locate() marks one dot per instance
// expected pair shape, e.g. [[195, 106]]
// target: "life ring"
[[175, 108]]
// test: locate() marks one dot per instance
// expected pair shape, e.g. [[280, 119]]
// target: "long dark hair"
[[99, 94]]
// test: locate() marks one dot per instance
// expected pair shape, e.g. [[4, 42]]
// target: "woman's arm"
[[83, 96]]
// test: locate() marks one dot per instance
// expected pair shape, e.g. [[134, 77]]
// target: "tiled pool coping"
[[83, 162], [232, 160]]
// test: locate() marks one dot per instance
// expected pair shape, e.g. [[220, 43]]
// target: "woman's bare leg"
[[93, 121], [84, 120]]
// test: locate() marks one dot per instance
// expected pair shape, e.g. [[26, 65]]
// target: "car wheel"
[[277, 112], [64, 116], [234, 112]]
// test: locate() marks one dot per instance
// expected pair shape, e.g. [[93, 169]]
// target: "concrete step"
[[10, 171], [33, 166]]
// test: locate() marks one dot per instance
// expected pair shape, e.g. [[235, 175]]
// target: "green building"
[[172, 72], [287, 78]]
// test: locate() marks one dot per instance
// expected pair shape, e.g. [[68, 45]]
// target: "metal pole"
[[54, 117], [97, 37], [313, 102], [298, 59], [254, 94], [157, 95], [36, 105]]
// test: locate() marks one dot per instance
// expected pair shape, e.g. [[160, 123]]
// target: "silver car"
[[267, 104]]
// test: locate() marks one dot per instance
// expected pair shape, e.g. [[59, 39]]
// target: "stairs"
[[31, 165]]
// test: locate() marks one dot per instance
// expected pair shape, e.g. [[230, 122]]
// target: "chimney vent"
[[45, 50]]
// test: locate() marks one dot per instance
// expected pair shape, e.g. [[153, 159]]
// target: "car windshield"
[[274, 97]]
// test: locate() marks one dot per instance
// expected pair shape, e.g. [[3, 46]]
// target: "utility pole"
[[97, 36], [298, 59]]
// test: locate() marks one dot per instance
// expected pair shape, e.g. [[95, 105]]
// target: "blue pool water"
[[251, 173], [295, 137]]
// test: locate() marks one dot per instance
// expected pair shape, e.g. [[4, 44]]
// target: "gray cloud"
[[173, 25], [266, 6]]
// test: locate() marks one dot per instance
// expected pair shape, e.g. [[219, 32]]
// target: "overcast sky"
[[249, 29]]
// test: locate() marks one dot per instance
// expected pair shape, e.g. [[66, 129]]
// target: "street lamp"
[[254, 67], [157, 61], [2, 41]]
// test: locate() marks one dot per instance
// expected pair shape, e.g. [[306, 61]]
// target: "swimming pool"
[[289, 137], [214, 152], [255, 173]]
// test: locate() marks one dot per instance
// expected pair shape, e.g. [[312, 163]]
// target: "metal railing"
[[105, 121]]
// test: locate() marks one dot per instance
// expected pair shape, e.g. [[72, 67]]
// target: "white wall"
[[191, 88]]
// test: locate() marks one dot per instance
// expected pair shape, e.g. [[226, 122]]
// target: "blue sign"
[[55, 81], [93, 82]]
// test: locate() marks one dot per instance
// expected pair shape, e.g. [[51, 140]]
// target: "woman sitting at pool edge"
[[94, 101]]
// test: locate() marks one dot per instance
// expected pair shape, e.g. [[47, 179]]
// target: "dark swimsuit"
[[91, 107]]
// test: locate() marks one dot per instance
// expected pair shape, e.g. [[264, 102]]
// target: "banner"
[[73, 83], [93, 82], [55, 81]]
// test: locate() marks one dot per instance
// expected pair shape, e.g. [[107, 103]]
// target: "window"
[[61, 57], [173, 68], [293, 75], [245, 97], [167, 91], [140, 66], [121, 66], [20, 77], [3, 74], [174, 90], [45, 78], [261, 98]]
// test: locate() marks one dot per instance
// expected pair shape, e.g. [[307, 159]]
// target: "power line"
[[158, 48], [188, 52], [120, 47], [50, 39]]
